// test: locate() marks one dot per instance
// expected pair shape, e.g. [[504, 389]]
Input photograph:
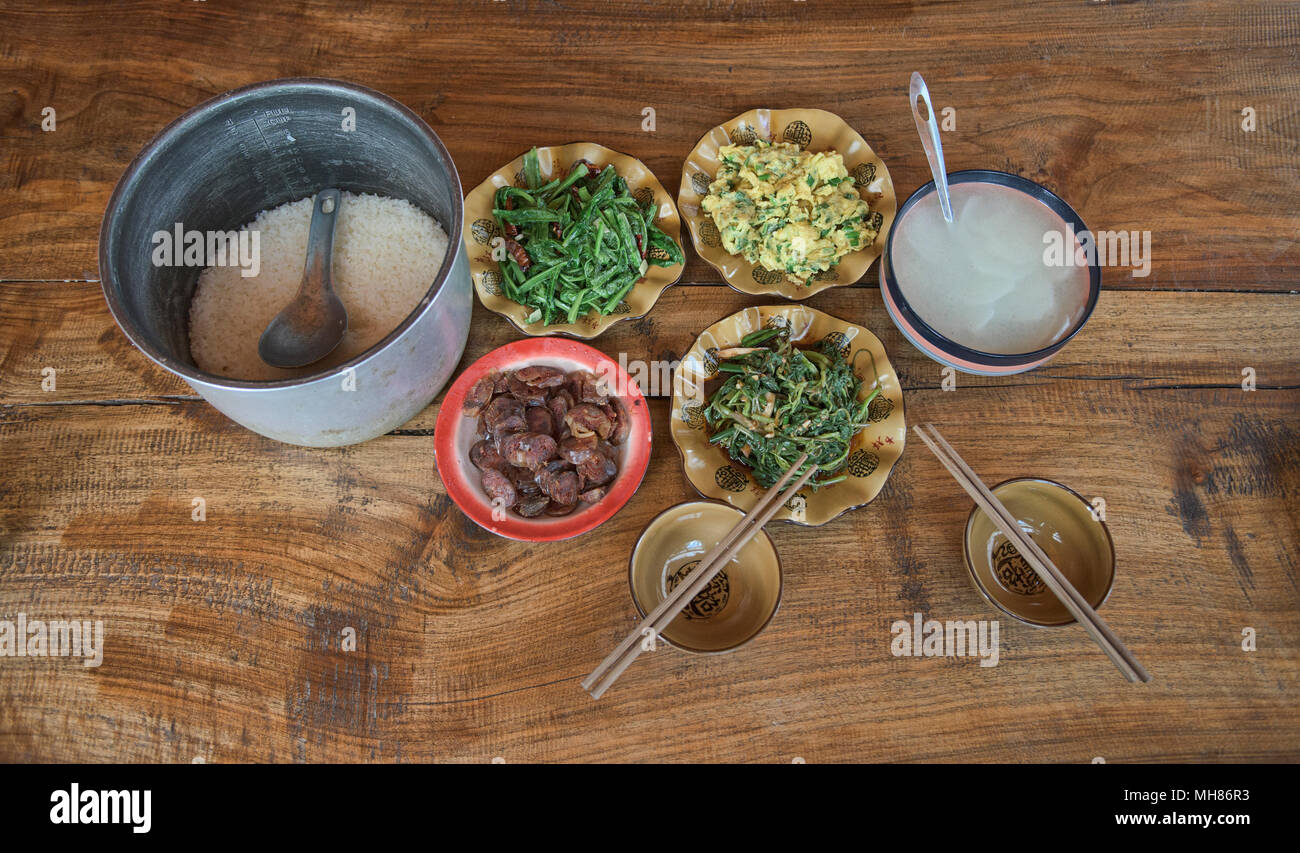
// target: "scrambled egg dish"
[[786, 209]]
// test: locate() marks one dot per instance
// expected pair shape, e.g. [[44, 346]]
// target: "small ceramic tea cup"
[[1062, 523], [735, 606]]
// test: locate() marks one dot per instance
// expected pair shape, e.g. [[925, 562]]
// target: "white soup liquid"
[[982, 281]]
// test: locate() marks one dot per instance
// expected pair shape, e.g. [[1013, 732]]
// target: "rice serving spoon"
[[311, 326]]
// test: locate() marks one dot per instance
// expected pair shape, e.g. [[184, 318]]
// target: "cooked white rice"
[[386, 254]]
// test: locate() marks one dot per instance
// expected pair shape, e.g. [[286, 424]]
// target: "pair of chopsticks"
[[1078, 606], [684, 593]]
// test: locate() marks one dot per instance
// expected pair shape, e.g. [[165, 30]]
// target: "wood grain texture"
[[223, 636], [1132, 112], [1147, 339]]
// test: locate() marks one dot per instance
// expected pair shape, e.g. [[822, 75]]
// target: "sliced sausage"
[[540, 376], [519, 254], [528, 449], [499, 489], [578, 450], [593, 495], [501, 409], [596, 471], [558, 409], [586, 387], [533, 506], [484, 455], [479, 396], [540, 421], [526, 393], [561, 486], [586, 419], [523, 480], [622, 422], [554, 508]]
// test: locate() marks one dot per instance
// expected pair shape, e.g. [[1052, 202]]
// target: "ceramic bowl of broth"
[[1001, 289]]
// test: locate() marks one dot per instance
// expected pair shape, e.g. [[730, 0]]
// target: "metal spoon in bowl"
[[311, 326], [919, 94]]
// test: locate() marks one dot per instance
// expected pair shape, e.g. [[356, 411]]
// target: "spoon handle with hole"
[[926, 126], [316, 275]]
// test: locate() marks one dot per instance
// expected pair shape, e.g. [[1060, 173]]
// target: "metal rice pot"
[[255, 148]]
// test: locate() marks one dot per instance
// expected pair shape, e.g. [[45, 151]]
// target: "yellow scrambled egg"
[[786, 209]]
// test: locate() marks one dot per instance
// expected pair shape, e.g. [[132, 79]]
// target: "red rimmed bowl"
[[454, 435]]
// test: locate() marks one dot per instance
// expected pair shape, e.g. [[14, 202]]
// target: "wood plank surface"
[[1131, 111], [222, 636], [1199, 339]]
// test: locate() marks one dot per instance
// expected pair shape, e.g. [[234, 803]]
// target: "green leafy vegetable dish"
[[576, 244], [776, 401]]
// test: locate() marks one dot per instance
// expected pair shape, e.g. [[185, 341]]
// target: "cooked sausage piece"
[[586, 419], [540, 376], [531, 507], [597, 471], [519, 253], [622, 422], [523, 480], [499, 489], [539, 420], [504, 410], [544, 438], [556, 466], [586, 387], [479, 396], [554, 508], [526, 393], [558, 409], [484, 455], [577, 450], [528, 449], [561, 486]]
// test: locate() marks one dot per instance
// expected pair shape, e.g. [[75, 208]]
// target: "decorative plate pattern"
[[812, 130], [874, 450], [481, 229]]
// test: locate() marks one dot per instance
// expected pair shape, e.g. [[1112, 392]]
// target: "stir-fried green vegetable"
[[576, 244], [778, 401]]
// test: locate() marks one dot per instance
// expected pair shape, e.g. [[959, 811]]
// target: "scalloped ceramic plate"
[[812, 130], [874, 450], [480, 228]]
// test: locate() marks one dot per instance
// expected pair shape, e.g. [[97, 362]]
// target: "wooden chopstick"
[[1038, 560], [1060, 586], [682, 595], [992, 505], [680, 589], [697, 581]]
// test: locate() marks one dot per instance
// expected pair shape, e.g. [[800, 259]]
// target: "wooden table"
[[223, 636]]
